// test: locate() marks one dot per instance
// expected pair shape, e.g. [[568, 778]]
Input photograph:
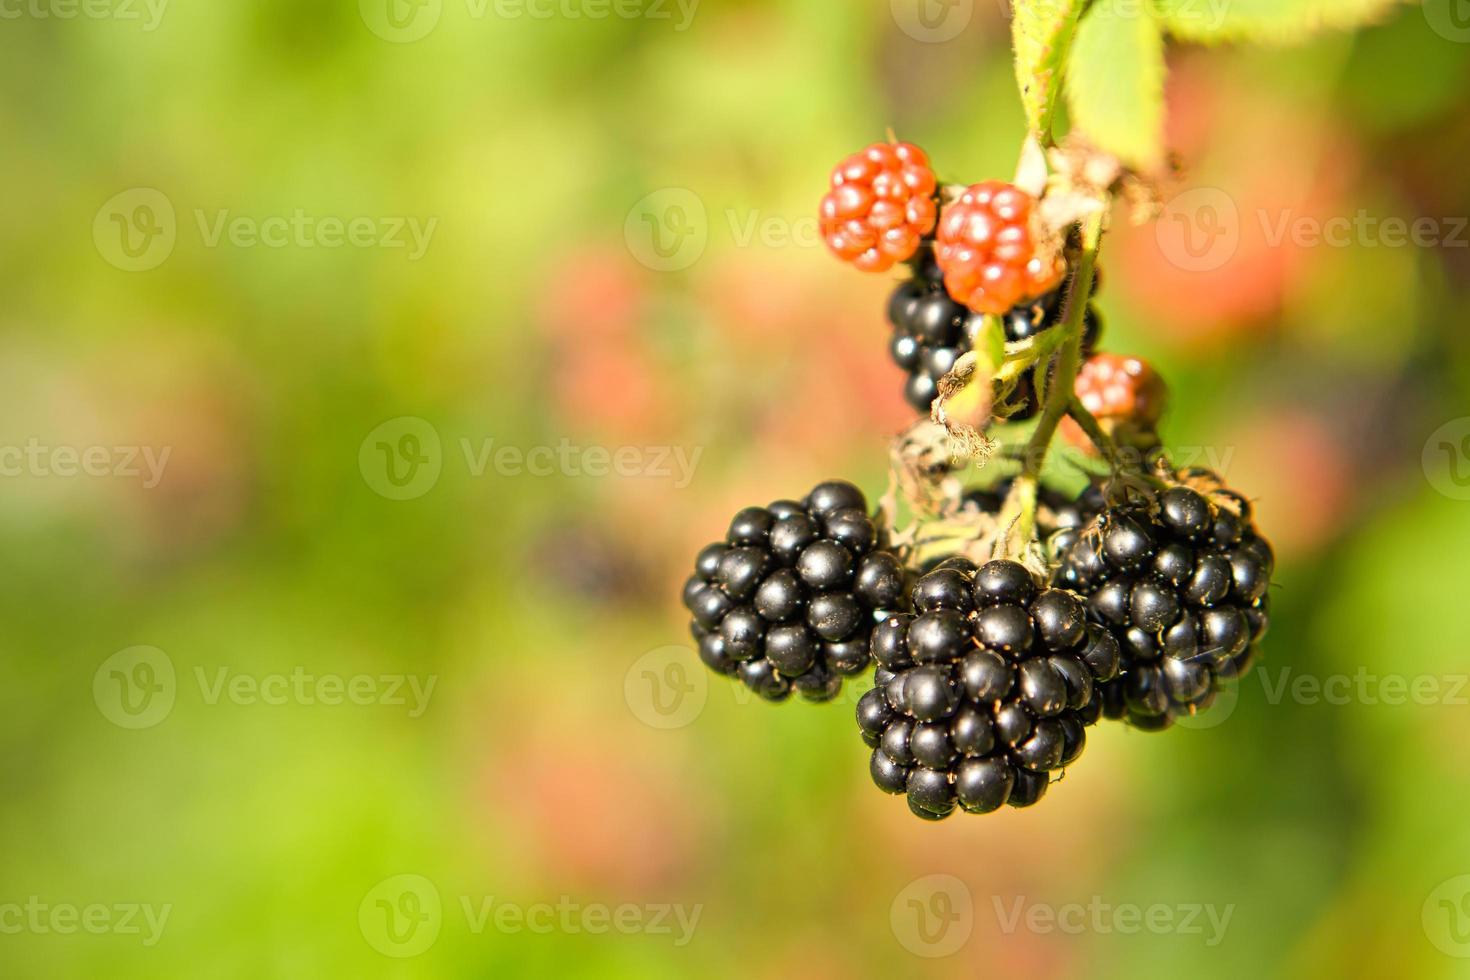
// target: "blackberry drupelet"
[[788, 599], [1181, 581], [983, 690]]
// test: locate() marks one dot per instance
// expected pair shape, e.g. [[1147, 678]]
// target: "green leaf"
[[1265, 21], [1041, 31], [1115, 82], [992, 341]]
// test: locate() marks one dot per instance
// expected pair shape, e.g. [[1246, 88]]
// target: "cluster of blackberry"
[[788, 599], [983, 690], [988, 676], [1181, 580]]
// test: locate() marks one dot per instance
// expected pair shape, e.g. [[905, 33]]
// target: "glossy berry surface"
[[930, 331], [989, 251], [984, 689], [880, 206], [787, 602], [1180, 583]]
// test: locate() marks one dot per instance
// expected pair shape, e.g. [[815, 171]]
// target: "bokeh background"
[[209, 707]]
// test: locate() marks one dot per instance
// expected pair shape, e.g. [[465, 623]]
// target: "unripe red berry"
[[1126, 396], [990, 251], [1116, 386], [880, 207]]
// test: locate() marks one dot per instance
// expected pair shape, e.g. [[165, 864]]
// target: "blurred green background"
[[338, 270]]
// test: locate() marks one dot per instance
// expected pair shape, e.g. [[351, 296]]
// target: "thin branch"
[[1020, 509]]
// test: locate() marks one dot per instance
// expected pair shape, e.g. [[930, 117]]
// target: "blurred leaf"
[[1115, 83], [1265, 21], [1042, 31], [1383, 97], [992, 341]]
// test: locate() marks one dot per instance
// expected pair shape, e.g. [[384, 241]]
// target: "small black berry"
[[1005, 678], [1181, 584], [791, 601]]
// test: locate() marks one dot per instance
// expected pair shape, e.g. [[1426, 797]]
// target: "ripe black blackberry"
[[983, 691], [931, 331], [1181, 581], [787, 600]]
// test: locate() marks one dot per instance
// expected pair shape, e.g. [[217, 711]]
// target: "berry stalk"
[[1020, 511], [1090, 428]]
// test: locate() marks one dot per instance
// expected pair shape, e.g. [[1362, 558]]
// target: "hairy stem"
[[1019, 514], [1090, 427]]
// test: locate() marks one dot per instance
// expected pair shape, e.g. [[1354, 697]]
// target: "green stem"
[[1019, 515], [1090, 427]]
